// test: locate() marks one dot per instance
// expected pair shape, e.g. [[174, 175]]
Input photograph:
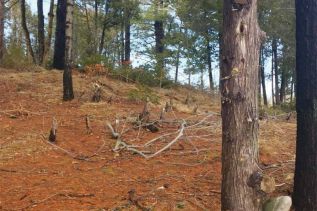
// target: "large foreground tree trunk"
[[67, 76], [26, 31], [40, 32], [59, 48], [1, 30], [240, 47], [305, 184]]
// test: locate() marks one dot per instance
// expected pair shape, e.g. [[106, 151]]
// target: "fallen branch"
[[68, 195], [180, 134], [72, 155], [20, 112]]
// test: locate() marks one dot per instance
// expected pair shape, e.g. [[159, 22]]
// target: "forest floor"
[[82, 172]]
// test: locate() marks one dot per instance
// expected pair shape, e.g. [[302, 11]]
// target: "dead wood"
[[88, 125], [53, 131], [135, 200], [162, 115], [144, 118], [67, 195], [97, 93], [195, 109], [187, 100], [168, 107]]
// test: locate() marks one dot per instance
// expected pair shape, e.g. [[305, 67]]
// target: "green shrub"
[[95, 59], [168, 84], [15, 58], [285, 107], [288, 106], [142, 93]]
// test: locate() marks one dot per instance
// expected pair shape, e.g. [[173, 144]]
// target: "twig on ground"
[[180, 134], [72, 155], [68, 195]]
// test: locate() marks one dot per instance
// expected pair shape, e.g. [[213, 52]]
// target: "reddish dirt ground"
[[35, 175]]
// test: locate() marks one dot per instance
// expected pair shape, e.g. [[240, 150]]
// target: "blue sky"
[[33, 3]]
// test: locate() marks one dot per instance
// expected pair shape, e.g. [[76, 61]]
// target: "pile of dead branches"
[[168, 132]]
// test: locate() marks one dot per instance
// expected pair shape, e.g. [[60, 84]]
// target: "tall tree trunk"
[[26, 32], [59, 48], [96, 10], [96, 15], [1, 30], [159, 45], [305, 184], [119, 51], [293, 86], [240, 47], [177, 62], [259, 79], [104, 27], [202, 79], [67, 76], [263, 78], [283, 86], [49, 31], [40, 31], [272, 78], [122, 41], [90, 49], [102, 39], [276, 71], [127, 35], [211, 81]]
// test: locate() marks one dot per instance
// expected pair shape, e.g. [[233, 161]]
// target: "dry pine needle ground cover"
[[82, 172]]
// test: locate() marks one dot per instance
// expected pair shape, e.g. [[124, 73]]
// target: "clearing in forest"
[[81, 170]]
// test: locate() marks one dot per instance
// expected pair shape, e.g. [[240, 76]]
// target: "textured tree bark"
[[26, 31], [241, 40], [67, 76], [305, 184], [40, 32], [49, 31], [1, 30], [263, 78], [59, 48]]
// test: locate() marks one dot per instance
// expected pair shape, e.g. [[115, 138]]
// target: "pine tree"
[[241, 40], [305, 184]]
